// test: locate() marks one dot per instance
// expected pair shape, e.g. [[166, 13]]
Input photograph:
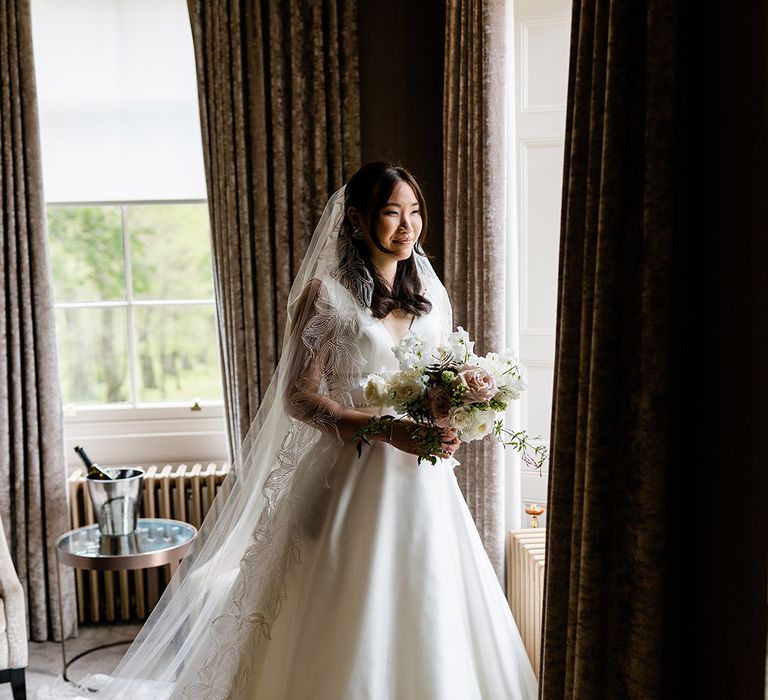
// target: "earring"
[[357, 232]]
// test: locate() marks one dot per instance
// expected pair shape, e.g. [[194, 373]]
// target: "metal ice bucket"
[[116, 502]]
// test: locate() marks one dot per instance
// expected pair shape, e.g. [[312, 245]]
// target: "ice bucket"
[[116, 502]]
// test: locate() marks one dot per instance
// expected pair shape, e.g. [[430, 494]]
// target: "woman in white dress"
[[324, 574]]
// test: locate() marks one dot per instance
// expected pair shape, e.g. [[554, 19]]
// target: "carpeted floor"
[[45, 657]]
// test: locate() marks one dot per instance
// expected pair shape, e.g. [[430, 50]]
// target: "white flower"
[[511, 391], [458, 345], [460, 418], [376, 390], [412, 352], [406, 386], [514, 388], [504, 370], [482, 425]]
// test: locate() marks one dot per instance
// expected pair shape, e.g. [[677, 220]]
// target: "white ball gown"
[[396, 598]]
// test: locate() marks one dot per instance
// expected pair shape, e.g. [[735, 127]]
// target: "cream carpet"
[[45, 657]]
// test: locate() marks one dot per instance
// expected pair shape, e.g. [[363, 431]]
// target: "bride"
[[319, 573]]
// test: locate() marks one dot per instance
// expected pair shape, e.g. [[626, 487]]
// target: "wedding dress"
[[396, 597], [324, 574]]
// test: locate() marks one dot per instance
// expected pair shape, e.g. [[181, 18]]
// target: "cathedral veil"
[[219, 607]]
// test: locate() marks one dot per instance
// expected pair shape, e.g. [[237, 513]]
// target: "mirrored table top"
[[155, 542]]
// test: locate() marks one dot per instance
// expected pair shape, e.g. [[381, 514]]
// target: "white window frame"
[[535, 345], [141, 432], [512, 462]]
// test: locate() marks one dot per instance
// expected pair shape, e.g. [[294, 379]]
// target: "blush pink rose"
[[480, 385], [438, 403], [444, 422]]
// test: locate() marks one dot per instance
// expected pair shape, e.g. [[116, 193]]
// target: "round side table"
[[155, 542]]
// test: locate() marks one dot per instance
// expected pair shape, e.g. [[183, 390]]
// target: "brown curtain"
[[607, 533], [279, 106], [473, 145], [656, 571], [33, 497]]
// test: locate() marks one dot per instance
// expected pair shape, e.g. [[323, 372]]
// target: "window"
[[135, 314], [128, 228]]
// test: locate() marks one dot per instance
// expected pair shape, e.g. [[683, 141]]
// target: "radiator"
[[182, 492], [525, 586]]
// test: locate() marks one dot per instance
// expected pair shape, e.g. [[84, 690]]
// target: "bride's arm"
[[311, 370]]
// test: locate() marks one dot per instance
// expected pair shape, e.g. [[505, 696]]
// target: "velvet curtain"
[[279, 106], [608, 531], [33, 497], [473, 173]]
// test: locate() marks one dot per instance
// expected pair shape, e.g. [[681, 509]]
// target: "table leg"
[[61, 618], [153, 590], [88, 651], [173, 565]]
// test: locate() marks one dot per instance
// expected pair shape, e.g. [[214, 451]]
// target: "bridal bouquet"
[[449, 386]]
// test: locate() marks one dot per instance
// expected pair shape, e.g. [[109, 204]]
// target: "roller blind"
[[117, 96]]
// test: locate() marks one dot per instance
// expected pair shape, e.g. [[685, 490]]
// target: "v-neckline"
[[386, 330]]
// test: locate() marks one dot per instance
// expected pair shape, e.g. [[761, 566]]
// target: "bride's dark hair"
[[368, 190]]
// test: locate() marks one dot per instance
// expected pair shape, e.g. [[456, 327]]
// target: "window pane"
[[86, 247], [170, 251], [178, 353], [93, 355]]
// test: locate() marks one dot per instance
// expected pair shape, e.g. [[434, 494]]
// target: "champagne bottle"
[[94, 470]]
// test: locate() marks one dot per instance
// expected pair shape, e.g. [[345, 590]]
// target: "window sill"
[[146, 434]]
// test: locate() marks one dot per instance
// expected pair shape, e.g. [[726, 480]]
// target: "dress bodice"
[[364, 345], [375, 343]]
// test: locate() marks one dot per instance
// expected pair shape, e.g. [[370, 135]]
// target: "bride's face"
[[397, 226]]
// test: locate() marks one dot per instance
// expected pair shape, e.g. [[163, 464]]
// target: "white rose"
[[482, 425], [406, 387], [376, 390], [460, 418]]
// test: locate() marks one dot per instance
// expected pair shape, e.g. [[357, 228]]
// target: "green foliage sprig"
[[374, 425], [534, 455]]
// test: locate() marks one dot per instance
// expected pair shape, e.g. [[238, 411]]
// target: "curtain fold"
[[474, 177], [604, 612], [33, 497], [279, 111]]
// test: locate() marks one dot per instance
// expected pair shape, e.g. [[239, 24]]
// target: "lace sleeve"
[[324, 363]]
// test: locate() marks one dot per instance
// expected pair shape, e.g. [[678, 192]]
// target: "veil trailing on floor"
[[201, 639]]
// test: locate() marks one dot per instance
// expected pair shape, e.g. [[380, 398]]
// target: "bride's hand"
[[449, 441], [402, 431], [402, 438]]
